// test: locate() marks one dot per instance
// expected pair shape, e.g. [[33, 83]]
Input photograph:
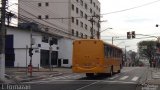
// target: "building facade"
[[66, 19], [18, 44]]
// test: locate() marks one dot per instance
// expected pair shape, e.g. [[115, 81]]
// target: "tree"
[[147, 49], [133, 57]]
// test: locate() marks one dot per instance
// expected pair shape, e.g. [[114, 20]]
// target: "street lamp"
[[98, 34], [105, 30], [113, 39]]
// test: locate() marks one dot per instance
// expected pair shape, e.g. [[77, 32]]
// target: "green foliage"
[[147, 49]]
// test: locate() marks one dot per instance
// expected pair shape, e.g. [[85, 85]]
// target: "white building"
[[65, 19], [17, 48]]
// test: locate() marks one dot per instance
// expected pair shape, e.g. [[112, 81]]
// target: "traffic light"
[[133, 34], [30, 52], [128, 35]]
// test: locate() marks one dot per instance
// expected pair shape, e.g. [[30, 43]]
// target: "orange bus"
[[96, 57]]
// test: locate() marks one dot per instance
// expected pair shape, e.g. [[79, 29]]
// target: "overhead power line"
[[131, 8]]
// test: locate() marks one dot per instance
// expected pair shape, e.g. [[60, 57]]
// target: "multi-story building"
[[66, 20]]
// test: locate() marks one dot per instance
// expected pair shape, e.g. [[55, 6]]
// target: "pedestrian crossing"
[[156, 75], [76, 77], [125, 78]]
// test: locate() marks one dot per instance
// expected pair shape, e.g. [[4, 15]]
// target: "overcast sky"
[[140, 16]]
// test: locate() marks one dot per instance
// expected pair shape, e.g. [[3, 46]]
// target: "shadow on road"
[[96, 77]]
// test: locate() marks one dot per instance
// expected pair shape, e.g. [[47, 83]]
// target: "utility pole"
[[125, 57], [98, 34], [50, 52], [91, 20], [30, 53], [2, 40], [112, 40]]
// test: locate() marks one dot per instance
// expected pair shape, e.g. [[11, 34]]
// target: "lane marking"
[[95, 81], [114, 77], [65, 77], [123, 78], [135, 78], [120, 82], [87, 85]]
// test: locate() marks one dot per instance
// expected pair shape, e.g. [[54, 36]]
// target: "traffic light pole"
[[30, 64], [2, 40], [50, 52]]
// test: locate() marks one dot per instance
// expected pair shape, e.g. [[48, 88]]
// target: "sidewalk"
[[153, 76], [18, 75]]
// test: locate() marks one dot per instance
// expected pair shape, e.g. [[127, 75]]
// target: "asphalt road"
[[129, 79]]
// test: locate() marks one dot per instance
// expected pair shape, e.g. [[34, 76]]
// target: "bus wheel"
[[89, 74]]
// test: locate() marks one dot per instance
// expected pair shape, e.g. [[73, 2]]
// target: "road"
[[130, 78]]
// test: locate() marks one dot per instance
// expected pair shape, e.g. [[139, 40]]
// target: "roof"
[[99, 40]]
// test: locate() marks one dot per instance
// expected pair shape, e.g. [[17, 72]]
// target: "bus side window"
[[111, 52]]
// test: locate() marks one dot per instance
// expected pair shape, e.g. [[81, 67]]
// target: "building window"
[[86, 26], [77, 0], [72, 19], [91, 10], [72, 32], [47, 4], [91, 1], [54, 40], [81, 35], [39, 17], [72, 7], [45, 39], [82, 24], [81, 2], [86, 7], [39, 4], [65, 61], [86, 36], [76, 10], [86, 16], [81, 14], [77, 21], [76, 33], [94, 4], [97, 7], [46, 16]]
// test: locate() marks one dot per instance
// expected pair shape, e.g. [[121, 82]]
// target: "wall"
[[21, 40], [65, 51]]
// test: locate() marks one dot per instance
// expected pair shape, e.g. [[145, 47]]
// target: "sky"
[[141, 19], [140, 16]]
